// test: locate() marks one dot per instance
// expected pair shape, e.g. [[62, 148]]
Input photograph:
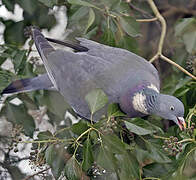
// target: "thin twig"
[[146, 20], [40, 172], [177, 65], [163, 25]]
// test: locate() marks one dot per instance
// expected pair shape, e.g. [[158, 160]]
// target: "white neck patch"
[[152, 86], [139, 103]]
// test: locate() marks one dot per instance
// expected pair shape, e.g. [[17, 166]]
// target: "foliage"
[[115, 147]]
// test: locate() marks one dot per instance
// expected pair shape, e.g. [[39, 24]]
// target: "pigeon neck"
[[139, 101], [151, 100]]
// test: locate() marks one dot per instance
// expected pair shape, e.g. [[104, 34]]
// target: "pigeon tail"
[[29, 84]]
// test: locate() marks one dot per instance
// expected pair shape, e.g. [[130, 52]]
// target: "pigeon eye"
[[172, 108]]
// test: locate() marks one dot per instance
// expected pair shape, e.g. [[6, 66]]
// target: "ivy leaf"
[[49, 154], [96, 100], [48, 3], [106, 159], [80, 127], [87, 155], [156, 154], [5, 78], [82, 3], [18, 114], [9, 5], [19, 60], [72, 170], [138, 127], [130, 26], [91, 19], [129, 166], [114, 111], [114, 144], [45, 135], [187, 29], [55, 103], [58, 160]]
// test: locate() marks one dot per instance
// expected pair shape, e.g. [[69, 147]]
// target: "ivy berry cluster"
[[172, 146], [190, 130]]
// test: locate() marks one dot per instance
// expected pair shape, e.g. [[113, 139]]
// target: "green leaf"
[[19, 60], [91, 19], [80, 127], [87, 155], [18, 115], [72, 169], [110, 4], [138, 127], [189, 159], [49, 154], [9, 4], [156, 154], [12, 33], [55, 103], [183, 25], [129, 43], [106, 159], [96, 100], [44, 135], [114, 111], [129, 166], [49, 3], [186, 28], [5, 78], [114, 144], [58, 161], [130, 26], [82, 3], [190, 41], [28, 6]]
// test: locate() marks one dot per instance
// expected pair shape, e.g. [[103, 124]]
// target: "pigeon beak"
[[181, 123]]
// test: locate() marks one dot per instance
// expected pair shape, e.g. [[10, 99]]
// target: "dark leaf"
[[96, 100], [138, 126], [156, 153], [79, 127], [114, 111], [73, 170], [45, 135], [49, 3], [91, 19], [114, 144], [18, 114], [87, 155], [129, 25], [129, 166], [12, 33], [80, 2], [9, 4]]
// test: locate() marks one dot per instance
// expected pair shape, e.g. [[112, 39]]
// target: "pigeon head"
[[171, 108]]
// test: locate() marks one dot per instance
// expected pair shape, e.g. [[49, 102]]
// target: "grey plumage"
[[126, 78]]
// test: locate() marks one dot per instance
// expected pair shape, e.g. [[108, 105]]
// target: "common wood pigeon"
[[127, 79]]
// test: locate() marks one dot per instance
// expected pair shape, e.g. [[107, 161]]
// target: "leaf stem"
[[160, 137], [147, 20], [151, 178], [187, 140], [46, 141]]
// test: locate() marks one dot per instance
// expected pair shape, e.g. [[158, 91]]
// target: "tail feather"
[[29, 84]]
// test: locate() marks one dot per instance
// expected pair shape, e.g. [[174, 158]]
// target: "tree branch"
[[161, 41]]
